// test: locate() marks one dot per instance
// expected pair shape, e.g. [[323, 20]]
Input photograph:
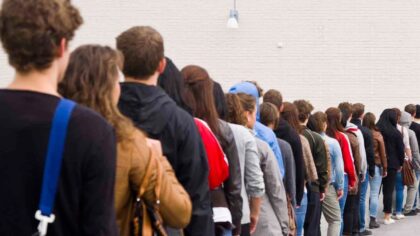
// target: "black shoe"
[[411, 213], [417, 210], [355, 234], [366, 232], [373, 224]]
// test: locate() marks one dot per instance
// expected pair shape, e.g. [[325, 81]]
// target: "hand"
[[155, 145], [253, 224], [321, 196], [363, 178], [384, 174], [340, 194]]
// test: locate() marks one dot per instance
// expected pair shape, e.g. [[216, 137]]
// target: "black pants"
[[388, 188], [245, 230], [356, 208], [313, 215], [348, 216]]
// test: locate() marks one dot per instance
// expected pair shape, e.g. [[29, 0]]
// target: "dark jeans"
[[349, 212], [245, 230], [313, 215], [356, 215], [388, 188]]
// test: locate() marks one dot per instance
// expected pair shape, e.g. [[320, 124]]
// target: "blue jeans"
[[399, 193], [362, 206], [415, 201], [375, 184], [226, 232], [343, 200], [300, 215]]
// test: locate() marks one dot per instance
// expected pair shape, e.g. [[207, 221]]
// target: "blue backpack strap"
[[52, 165]]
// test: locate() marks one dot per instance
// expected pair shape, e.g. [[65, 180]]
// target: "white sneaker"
[[388, 222], [398, 216]]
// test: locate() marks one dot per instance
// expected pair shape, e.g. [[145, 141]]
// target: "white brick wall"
[[334, 50]]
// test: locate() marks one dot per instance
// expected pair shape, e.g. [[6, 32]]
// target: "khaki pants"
[[331, 210], [411, 196]]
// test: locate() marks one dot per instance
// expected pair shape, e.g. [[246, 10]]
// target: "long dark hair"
[[369, 121], [290, 114], [393, 139], [334, 124], [90, 79], [172, 83], [220, 101], [199, 96]]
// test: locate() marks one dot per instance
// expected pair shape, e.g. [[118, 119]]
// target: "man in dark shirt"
[[286, 132], [152, 110], [84, 203], [357, 116], [316, 189]]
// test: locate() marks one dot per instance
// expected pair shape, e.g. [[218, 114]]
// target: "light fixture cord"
[[234, 5]]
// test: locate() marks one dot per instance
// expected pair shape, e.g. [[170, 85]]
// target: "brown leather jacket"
[[379, 148], [310, 169], [133, 156], [354, 143]]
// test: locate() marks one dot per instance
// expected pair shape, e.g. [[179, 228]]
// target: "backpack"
[[217, 161]]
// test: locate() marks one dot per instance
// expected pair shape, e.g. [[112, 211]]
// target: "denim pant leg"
[[362, 206], [399, 193], [300, 215], [343, 200], [375, 184]]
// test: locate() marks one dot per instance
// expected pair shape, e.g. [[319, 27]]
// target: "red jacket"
[[347, 158], [218, 164]]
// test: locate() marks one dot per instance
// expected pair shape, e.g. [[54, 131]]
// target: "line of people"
[[204, 162]]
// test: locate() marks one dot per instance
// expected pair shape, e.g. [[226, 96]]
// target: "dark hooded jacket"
[[393, 139], [286, 132], [172, 83], [154, 112], [368, 138]]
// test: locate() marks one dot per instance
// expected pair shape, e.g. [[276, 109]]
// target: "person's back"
[[84, 198], [151, 110]]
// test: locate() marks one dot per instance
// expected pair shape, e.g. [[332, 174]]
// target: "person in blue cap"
[[263, 132]]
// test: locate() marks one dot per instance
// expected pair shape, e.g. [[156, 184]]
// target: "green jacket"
[[320, 158]]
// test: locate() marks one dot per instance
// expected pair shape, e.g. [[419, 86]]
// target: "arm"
[[277, 152], [275, 191], [321, 163], [254, 180], [338, 165], [347, 159], [362, 152], [400, 149], [97, 216], [299, 168], [232, 186], [370, 153], [382, 153]]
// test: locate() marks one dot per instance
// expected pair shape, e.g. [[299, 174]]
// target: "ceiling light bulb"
[[233, 20]]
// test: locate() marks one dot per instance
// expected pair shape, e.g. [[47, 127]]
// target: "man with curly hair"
[[35, 36]]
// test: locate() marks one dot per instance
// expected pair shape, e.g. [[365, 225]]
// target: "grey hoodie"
[[406, 121]]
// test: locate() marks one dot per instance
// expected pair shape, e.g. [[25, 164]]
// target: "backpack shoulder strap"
[[53, 162]]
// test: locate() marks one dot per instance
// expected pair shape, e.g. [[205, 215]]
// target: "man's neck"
[[152, 80], [417, 120], [45, 81]]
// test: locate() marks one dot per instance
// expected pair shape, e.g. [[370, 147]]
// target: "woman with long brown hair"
[[199, 97], [381, 165], [290, 115], [335, 130], [92, 79]]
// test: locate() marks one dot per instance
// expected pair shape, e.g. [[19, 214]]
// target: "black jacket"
[[154, 112], [286, 132], [368, 138], [416, 128]]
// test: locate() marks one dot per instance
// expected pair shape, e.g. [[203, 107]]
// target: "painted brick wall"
[[333, 50]]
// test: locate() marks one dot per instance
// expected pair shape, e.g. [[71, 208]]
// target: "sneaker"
[[398, 216], [417, 210], [411, 213], [389, 221], [366, 232]]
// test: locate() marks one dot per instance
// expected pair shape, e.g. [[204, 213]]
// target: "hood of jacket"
[[250, 89], [405, 119], [148, 106]]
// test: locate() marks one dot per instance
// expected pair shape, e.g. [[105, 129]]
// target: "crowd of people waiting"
[[172, 145]]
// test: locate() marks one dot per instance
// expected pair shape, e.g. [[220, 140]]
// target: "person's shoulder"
[[86, 118]]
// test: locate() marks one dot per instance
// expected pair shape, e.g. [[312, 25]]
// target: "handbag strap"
[[53, 164], [146, 178]]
